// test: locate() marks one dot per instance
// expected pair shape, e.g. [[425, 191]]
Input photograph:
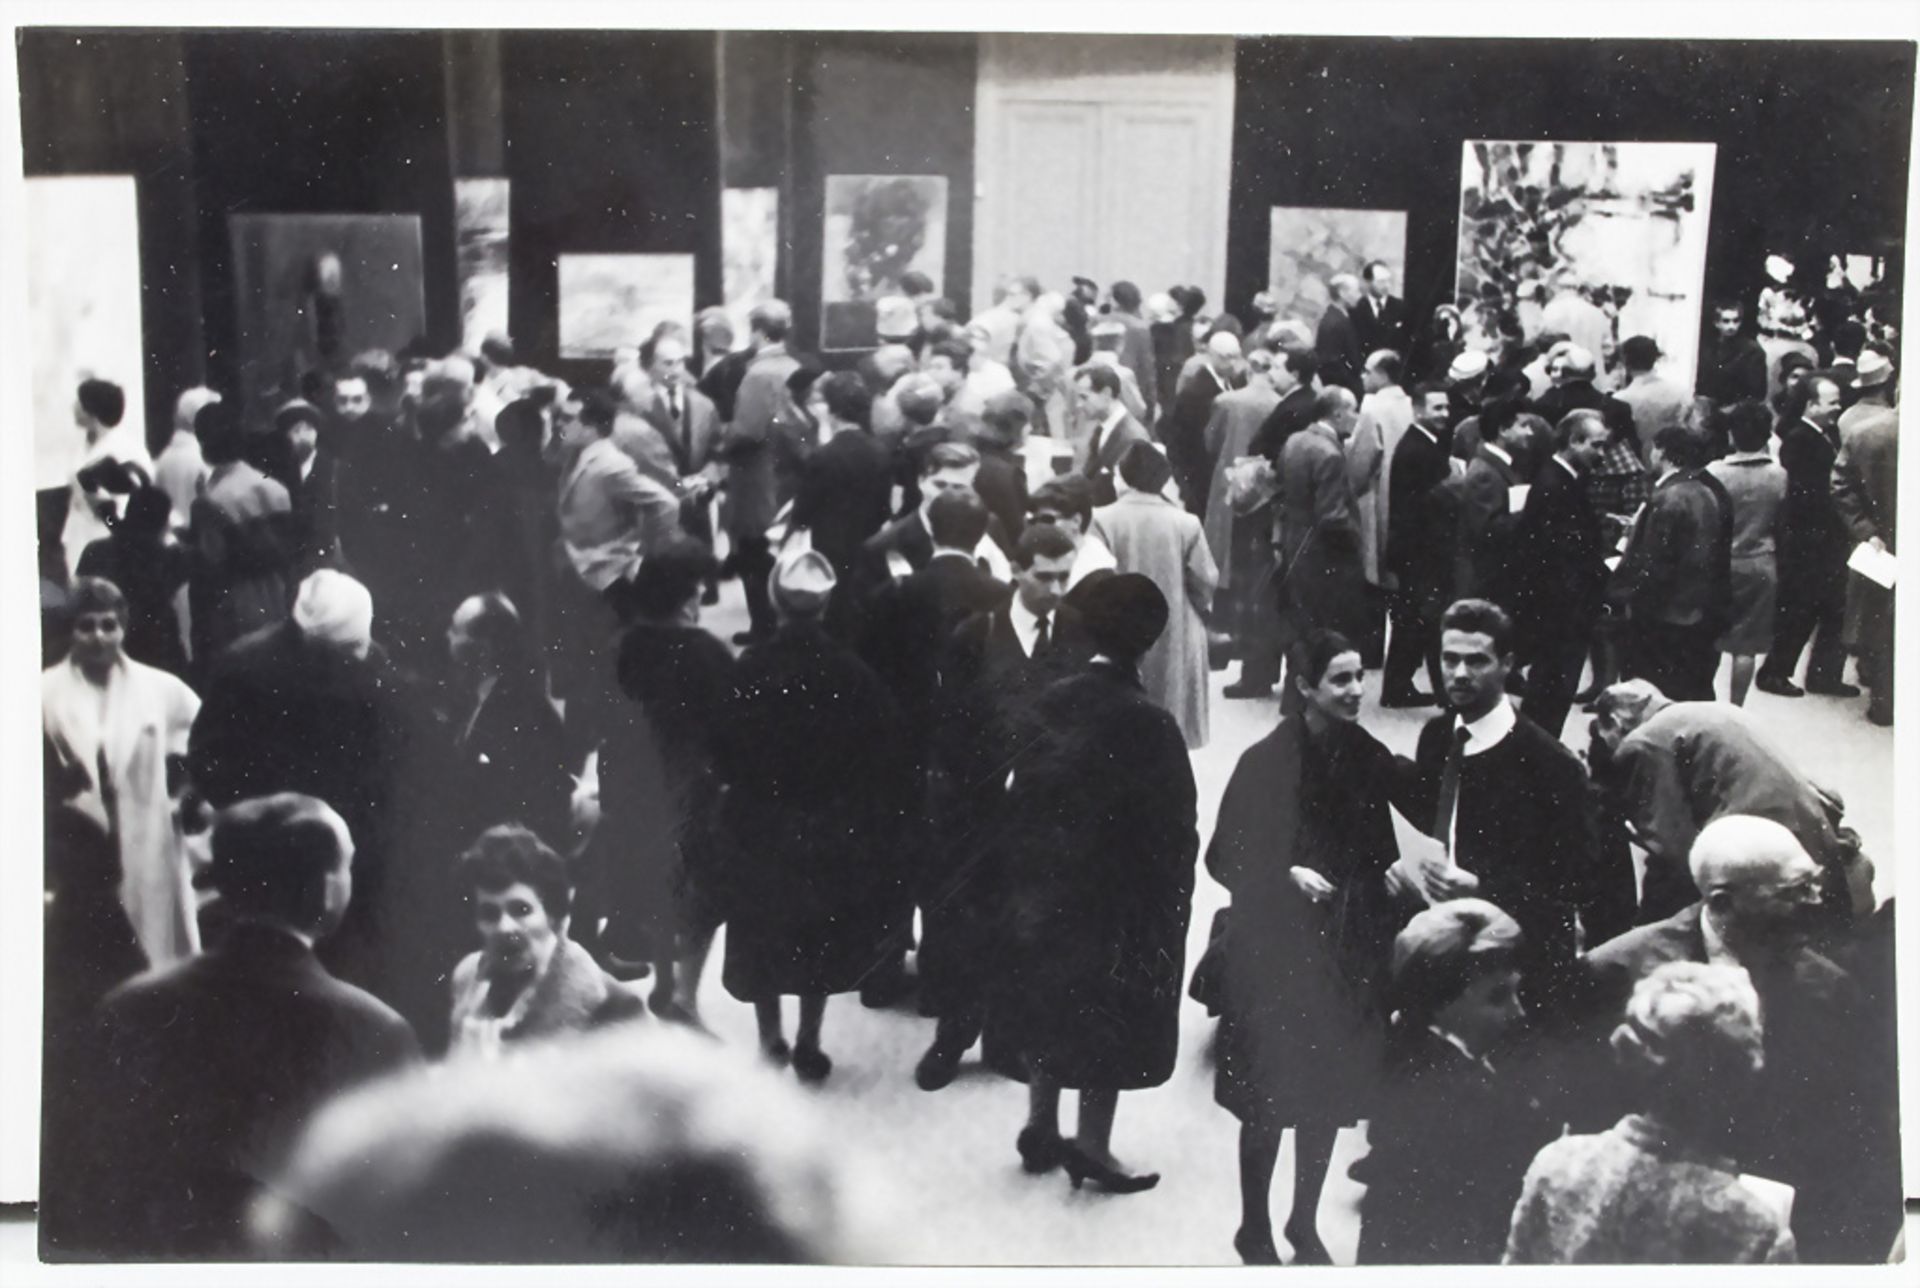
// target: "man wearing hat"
[[311, 486], [817, 781], [895, 320], [1466, 380], [1865, 488], [1655, 401], [207, 1070]]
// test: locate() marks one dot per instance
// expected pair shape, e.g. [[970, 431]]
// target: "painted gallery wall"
[[1376, 124]]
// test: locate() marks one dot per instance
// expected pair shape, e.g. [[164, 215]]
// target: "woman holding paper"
[[1304, 841]]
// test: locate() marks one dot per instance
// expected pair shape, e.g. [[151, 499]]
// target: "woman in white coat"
[[116, 723]]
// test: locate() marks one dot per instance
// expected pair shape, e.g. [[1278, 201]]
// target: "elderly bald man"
[[1184, 431], [1824, 1119]]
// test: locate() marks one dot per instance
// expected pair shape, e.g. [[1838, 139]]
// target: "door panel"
[[1155, 161], [1047, 189]]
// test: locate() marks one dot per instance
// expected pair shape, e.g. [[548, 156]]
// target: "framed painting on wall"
[[1309, 246], [613, 302], [1595, 241], [878, 229]]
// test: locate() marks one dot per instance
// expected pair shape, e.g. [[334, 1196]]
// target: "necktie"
[[679, 420], [1449, 790], [1040, 640]]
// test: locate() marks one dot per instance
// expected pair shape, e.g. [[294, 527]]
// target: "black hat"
[[1124, 615]]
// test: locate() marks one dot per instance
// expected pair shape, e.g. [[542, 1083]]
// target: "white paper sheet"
[[1877, 566]]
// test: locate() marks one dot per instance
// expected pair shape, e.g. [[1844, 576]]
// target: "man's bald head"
[[1760, 885]]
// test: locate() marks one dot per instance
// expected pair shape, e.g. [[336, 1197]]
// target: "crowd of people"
[[381, 727]]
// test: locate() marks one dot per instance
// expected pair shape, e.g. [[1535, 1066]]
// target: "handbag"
[[1209, 973]]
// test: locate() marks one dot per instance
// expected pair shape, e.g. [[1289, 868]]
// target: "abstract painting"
[[749, 249], [611, 302], [83, 294], [1600, 241], [311, 291], [878, 229], [1309, 247], [481, 235]]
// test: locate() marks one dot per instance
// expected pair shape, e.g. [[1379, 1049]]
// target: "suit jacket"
[[1416, 548], [845, 491], [611, 514], [316, 515], [1383, 325], [1677, 568], [1866, 472], [1813, 539], [1136, 355], [1478, 501], [1557, 572], [1337, 343], [1293, 413], [1002, 488], [1104, 451], [1321, 570], [1733, 370], [204, 1074], [749, 446], [908, 626], [692, 441], [646, 443], [510, 761]]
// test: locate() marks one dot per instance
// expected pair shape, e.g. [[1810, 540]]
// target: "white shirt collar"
[[1566, 465], [1489, 730], [1114, 417], [1026, 626], [1431, 436], [1498, 451]]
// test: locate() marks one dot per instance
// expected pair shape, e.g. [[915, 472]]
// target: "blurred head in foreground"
[[659, 1146]]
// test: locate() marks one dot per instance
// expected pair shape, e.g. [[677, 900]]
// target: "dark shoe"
[[1307, 1248], [776, 1052], [1082, 1167], [1411, 698], [1039, 1153], [1837, 689], [1882, 716], [811, 1065], [937, 1067], [1240, 689], [1255, 1251], [1778, 687]]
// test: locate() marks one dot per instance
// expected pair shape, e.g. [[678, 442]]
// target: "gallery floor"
[[942, 1165]]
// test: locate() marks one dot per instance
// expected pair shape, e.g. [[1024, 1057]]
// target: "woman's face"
[[1486, 1011], [1337, 696], [96, 640], [517, 937]]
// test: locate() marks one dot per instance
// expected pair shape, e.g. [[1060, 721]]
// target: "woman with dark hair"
[[1099, 886], [527, 979], [1303, 843], [1450, 1137]]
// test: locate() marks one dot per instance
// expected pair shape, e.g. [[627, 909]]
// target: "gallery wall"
[[1377, 124]]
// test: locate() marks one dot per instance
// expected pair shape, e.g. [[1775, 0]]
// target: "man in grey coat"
[[748, 449]]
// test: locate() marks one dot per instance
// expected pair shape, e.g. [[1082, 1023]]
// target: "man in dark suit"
[[1477, 502], [1825, 1116], [905, 546], [1508, 804], [846, 485], [1114, 431], [690, 424], [1417, 552], [1812, 550], [996, 662], [1136, 349], [204, 1072], [1675, 579], [1337, 341], [1381, 318], [1734, 367], [1296, 378], [1558, 572], [1002, 481]]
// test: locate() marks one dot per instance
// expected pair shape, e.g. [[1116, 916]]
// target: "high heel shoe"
[[1307, 1248], [1256, 1251], [1040, 1152], [1082, 1166]]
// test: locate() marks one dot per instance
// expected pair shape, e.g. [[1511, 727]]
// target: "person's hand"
[[1311, 884], [1878, 544], [1403, 878], [1444, 881]]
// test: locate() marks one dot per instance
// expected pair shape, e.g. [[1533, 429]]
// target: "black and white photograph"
[[868, 646]]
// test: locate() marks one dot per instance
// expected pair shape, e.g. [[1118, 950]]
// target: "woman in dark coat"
[[1099, 889], [1452, 1136], [811, 759], [654, 851], [1303, 843]]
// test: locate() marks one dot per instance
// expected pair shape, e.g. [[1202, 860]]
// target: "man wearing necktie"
[[687, 419], [1507, 804]]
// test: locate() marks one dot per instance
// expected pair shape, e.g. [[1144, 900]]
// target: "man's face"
[[351, 401], [669, 362], [1476, 676], [1283, 378], [1434, 410], [1777, 911], [945, 374], [955, 478], [517, 937], [1044, 584], [1380, 283], [1486, 1012], [1727, 323], [1096, 402], [96, 640], [1823, 409], [1586, 445], [303, 437], [568, 427]]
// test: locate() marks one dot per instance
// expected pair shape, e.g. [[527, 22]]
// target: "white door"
[[1105, 157]]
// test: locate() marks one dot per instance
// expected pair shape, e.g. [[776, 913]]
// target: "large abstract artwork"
[[878, 229], [1308, 247], [311, 291], [83, 294], [749, 249], [612, 302], [1599, 241], [481, 229]]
